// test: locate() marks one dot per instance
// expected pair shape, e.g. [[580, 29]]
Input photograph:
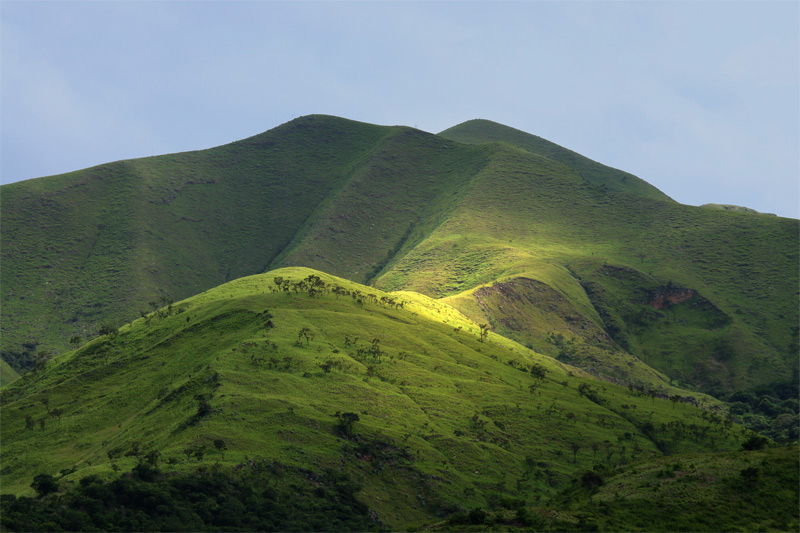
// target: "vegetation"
[[483, 131], [445, 215], [426, 419], [253, 496], [545, 343], [752, 491]]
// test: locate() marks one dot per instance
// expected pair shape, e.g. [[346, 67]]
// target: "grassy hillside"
[[493, 218], [735, 208], [7, 374], [745, 491], [528, 217], [98, 245], [481, 131], [398, 392]]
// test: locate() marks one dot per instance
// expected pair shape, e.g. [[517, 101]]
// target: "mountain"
[[570, 257], [480, 131], [395, 391], [338, 325]]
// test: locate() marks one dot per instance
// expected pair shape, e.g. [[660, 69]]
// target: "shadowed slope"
[[97, 245], [484, 131]]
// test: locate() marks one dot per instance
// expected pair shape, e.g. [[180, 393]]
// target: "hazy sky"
[[701, 99]]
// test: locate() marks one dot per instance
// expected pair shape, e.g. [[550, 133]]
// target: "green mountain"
[[398, 392], [496, 333], [485, 131], [636, 273]]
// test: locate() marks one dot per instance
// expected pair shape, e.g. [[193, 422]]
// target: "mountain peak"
[[479, 131]]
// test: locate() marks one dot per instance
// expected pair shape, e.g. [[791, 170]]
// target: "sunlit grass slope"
[[7, 374], [547, 247], [610, 255], [296, 366]]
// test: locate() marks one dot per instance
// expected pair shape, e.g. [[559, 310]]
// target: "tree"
[[675, 398], [278, 280], [42, 358], [203, 407], [220, 445], [756, 442], [75, 340], [595, 447], [44, 484], [477, 516], [592, 480], [484, 331], [198, 450], [267, 316], [538, 372], [152, 457], [305, 332], [346, 421], [575, 447], [108, 330]]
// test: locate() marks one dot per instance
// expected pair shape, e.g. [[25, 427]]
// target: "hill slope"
[[299, 368], [613, 257], [7, 374], [706, 298], [481, 131]]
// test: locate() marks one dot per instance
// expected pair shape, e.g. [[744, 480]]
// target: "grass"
[[529, 217], [445, 422], [401, 209], [482, 131], [744, 491], [7, 374]]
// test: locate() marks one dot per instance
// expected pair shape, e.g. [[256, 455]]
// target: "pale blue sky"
[[701, 99]]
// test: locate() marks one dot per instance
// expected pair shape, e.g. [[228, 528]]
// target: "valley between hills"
[[336, 325]]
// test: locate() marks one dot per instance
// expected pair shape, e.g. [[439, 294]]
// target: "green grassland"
[[98, 245], [531, 218], [744, 491], [445, 215], [7, 374], [492, 325], [735, 208], [398, 391], [481, 131]]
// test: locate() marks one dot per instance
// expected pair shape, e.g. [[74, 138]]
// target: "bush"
[[476, 516], [756, 442], [44, 484], [265, 496]]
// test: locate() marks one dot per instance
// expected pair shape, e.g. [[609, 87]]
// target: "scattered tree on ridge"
[[484, 332]]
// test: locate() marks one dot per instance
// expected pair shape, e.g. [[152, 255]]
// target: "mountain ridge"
[[482, 130], [403, 329], [399, 208]]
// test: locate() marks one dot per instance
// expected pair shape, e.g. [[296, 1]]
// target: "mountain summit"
[[483, 131]]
